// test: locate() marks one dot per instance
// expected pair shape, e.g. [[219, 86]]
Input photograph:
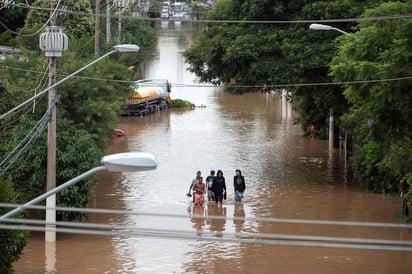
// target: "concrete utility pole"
[[97, 30], [331, 129], [108, 17], [53, 42], [51, 136], [119, 26]]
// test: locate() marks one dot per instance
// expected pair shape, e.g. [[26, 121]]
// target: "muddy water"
[[287, 176]]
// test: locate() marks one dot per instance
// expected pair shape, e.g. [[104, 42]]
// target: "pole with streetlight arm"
[[331, 118], [131, 161]]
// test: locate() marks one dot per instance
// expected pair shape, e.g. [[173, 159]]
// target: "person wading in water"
[[199, 189], [209, 183], [219, 187], [239, 185]]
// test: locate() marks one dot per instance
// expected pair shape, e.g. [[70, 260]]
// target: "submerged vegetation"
[[180, 103]]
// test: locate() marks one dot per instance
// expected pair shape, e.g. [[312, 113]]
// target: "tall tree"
[[12, 242], [379, 116], [269, 51], [86, 113]]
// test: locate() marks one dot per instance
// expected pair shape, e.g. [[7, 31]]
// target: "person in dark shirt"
[[239, 185], [219, 187], [209, 183]]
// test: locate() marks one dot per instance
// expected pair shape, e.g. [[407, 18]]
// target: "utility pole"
[[108, 18], [53, 42], [51, 137], [97, 30], [331, 129], [119, 23]]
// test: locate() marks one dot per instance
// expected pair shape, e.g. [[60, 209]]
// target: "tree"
[[246, 57], [86, 114], [141, 33], [12, 242], [89, 107], [75, 26], [87, 110], [12, 18], [379, 116]]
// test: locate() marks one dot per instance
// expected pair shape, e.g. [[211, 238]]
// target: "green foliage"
[[12, 242], [6, 38], [246, 57], [11, 20], [75, 26], [180, 103], [154, 9], [379, 117], [406, 184], [94, 106], [86, 112], [77, 153], [139, 32]]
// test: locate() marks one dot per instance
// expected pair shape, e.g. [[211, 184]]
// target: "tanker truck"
[[147, 96]]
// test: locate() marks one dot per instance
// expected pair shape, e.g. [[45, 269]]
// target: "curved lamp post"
[[331, 118], [129, 161], [327, 27]]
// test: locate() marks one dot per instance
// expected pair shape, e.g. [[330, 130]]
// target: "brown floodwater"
[[289, 177]]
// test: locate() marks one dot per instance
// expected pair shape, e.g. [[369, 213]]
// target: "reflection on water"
[[198, 215], [287, 176], [238, 214]]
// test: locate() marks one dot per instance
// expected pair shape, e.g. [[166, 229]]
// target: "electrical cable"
[[32, 34], [75, 76], [238, 234], [40, 82], [30, 138], [375, 18], [25, 109], [239, 86], [239, 237], [250, 219], [89, 41]]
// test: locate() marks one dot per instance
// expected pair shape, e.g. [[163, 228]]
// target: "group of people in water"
[[215, 187]]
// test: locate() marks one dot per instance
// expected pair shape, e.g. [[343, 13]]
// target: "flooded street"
[[287, 177]]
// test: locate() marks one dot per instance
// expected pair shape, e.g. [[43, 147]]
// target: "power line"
[[2, 116], [239, 237], [238, 86], [250, 219], [30, 138], [42, 27], [359, 19]]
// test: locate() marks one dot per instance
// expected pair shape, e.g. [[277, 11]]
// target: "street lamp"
[[331, 118], [128, 161], [327, 27]]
